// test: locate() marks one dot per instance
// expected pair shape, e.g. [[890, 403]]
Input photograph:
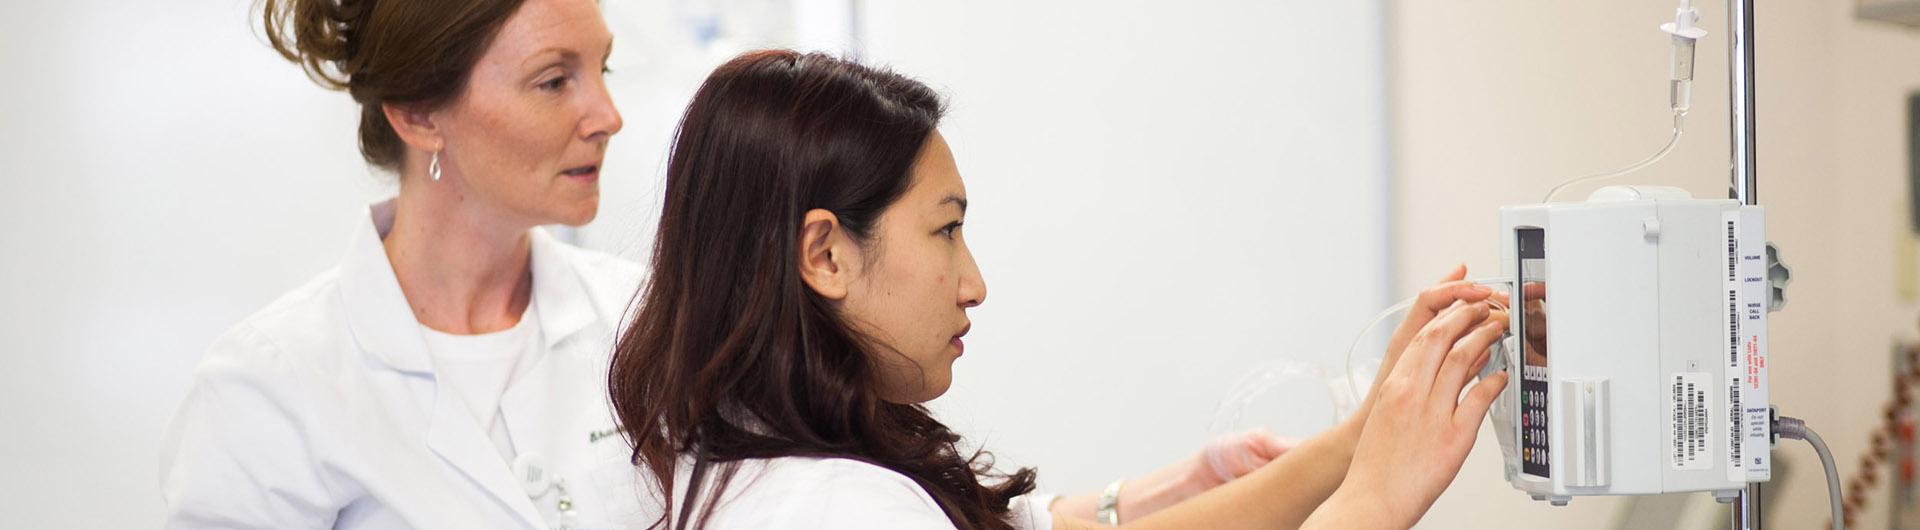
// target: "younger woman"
[[809, 294]]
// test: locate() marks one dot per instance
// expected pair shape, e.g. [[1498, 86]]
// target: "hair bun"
[[320, 35], [416, 53]]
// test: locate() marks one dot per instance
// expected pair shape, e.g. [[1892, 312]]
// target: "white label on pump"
[[1688, 403], [1747, 293], [1735, 362]]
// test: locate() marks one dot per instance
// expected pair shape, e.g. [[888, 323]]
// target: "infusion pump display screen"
[[1530, 325]]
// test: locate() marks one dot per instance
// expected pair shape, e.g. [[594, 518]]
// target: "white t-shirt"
[[481, 367], [799, 493]]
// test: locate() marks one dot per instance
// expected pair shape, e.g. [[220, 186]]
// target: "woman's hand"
[[1421, 426], [1411, 436], [1452, 288]]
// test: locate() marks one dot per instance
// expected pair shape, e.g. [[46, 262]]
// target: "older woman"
[[444, 374]]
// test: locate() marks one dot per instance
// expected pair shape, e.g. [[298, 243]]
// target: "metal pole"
[[1740, 78], [1746, 508]]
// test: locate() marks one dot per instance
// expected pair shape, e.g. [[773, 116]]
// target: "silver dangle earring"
[[433, 167]]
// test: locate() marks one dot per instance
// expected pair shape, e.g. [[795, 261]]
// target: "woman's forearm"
[[1348, 509], [1145, 494], [1281, 494]]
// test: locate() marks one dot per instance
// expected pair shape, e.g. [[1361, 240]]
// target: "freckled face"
[[528, 133]]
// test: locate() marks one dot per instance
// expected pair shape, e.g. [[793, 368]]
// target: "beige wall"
[[1136, 226], [1494, 102]]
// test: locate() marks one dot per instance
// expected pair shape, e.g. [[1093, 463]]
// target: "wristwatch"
[[1107, 511]]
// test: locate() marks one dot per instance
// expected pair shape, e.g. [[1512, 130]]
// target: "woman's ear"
[[825, 252], [416, 128]]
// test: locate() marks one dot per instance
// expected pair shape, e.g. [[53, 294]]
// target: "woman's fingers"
[[1433, 299], [1439, 297], [1478, 399], [1465, 359], [1500, 299], [1501, 315], [1428, 305], [1436, 340]]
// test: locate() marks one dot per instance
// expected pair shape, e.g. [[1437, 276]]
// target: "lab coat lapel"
[[456, 437], [550, 409]]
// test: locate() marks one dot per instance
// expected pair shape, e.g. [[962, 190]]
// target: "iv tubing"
[[1678, 119]]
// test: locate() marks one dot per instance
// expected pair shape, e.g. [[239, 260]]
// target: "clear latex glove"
[[1233, 456], [1222, 460]]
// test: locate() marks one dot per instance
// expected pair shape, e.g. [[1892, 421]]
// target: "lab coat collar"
[[566, 307], [383, 322]]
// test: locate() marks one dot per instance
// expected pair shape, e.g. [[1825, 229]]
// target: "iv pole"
[[1740, 74], [1746, 508]]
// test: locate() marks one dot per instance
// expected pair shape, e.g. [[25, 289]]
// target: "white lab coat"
[[322, 410], [808, 493]]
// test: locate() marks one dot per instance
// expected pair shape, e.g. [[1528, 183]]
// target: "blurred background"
[[1169, 199]]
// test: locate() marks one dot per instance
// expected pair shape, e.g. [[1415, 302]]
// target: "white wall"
[[1494, 101], [164, 175], [1165, 195]]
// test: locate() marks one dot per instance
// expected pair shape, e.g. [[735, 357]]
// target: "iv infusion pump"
[[1638, 348]]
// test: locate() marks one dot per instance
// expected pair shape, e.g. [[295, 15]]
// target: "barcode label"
[[1687, 404], [1735, 441], [1748, 440], [1732, 252], [1734, 438], [1733, 328]]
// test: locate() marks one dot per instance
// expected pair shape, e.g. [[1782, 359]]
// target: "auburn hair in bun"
[[412, 53]]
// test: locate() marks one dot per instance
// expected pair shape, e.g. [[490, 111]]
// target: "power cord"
[[1795, 428]]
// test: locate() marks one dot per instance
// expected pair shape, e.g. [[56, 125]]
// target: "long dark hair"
[[732, 356]]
